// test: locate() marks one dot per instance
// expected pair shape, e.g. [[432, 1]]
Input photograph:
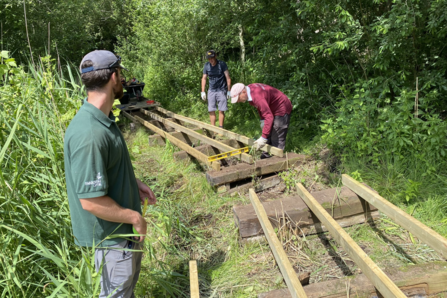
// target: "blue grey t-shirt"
[[216, 75]]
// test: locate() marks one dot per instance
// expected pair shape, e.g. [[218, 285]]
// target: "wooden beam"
[[259, 168], [229, 134], [377, 277], [418, 229], [157, 139], [194, 279], [225, 148], [426, 279], [290, 277], [176, 142], [345, 206]]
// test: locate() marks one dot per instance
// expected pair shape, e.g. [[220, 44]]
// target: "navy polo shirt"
[[216, 75]]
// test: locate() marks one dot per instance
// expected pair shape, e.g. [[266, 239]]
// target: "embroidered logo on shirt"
[[96, 182]]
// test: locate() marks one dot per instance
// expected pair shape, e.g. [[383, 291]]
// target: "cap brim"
[[234, 99], [122, 67]]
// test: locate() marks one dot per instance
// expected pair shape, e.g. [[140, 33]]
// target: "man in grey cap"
[[103, 193], [219, 87]]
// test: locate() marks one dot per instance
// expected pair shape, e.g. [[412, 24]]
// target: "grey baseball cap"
[[101, 60]]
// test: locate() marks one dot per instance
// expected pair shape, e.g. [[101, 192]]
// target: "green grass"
[[203, 227]]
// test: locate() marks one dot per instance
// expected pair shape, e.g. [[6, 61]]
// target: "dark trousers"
[[278, 133]]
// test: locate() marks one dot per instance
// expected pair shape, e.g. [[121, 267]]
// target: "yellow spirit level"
[[227, 154]]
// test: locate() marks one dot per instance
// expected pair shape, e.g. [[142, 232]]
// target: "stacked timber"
[[259, 168]]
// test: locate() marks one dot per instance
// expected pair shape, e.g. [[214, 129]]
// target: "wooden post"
[[427, 235], [245, 157], [229, 134], [281, 258], [194, 279], [377, 277], [197, 154]]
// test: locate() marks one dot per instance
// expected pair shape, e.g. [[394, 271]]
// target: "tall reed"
[[39, 257]]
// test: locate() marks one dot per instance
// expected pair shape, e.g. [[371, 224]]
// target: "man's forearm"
[[203, 84], [229, 83], [107, 209]]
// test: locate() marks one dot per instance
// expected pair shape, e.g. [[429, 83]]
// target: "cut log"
[[229, 134], [423, 279], [259, 168], [258, 186], [343, 204]]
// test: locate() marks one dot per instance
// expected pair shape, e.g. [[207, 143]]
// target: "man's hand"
[[146, 192], [141, 227], [259, 143], [228, 95], [203, 95]]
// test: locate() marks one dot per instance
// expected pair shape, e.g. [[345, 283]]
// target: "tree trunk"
[[241, 39]]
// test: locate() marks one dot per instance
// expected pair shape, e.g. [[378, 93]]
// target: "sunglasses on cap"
[[117, 63]]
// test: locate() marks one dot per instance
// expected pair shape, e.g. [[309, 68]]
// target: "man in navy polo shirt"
[[219, 87]]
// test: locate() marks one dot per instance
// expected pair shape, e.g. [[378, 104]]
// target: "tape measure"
[[227, 154]]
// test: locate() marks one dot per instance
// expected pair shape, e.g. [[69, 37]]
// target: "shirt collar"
[[98, 114], [248, 93]]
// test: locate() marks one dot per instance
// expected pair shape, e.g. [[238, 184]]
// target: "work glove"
[[259, 143], [229, 95], [262, 124], [203, 95]]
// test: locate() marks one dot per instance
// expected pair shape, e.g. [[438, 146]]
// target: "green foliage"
[[411, 190], [75, 27]]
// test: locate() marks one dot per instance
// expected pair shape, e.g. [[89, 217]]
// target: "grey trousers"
[[219, 99], [121, 269], [279, 130]]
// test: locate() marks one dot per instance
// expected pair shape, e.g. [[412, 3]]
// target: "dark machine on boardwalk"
[[133, 96]]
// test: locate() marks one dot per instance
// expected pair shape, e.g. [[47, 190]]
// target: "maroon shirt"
[[270, 102]]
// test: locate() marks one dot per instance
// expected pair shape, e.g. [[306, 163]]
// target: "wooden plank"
[[418, 229], [290, 277], [259, 168], [176, 142], [244, 157], [194, 279], [424, 279], [205, 149], [377, 277], [137, 106], [157, 139], [343, 204], [229, 134]]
